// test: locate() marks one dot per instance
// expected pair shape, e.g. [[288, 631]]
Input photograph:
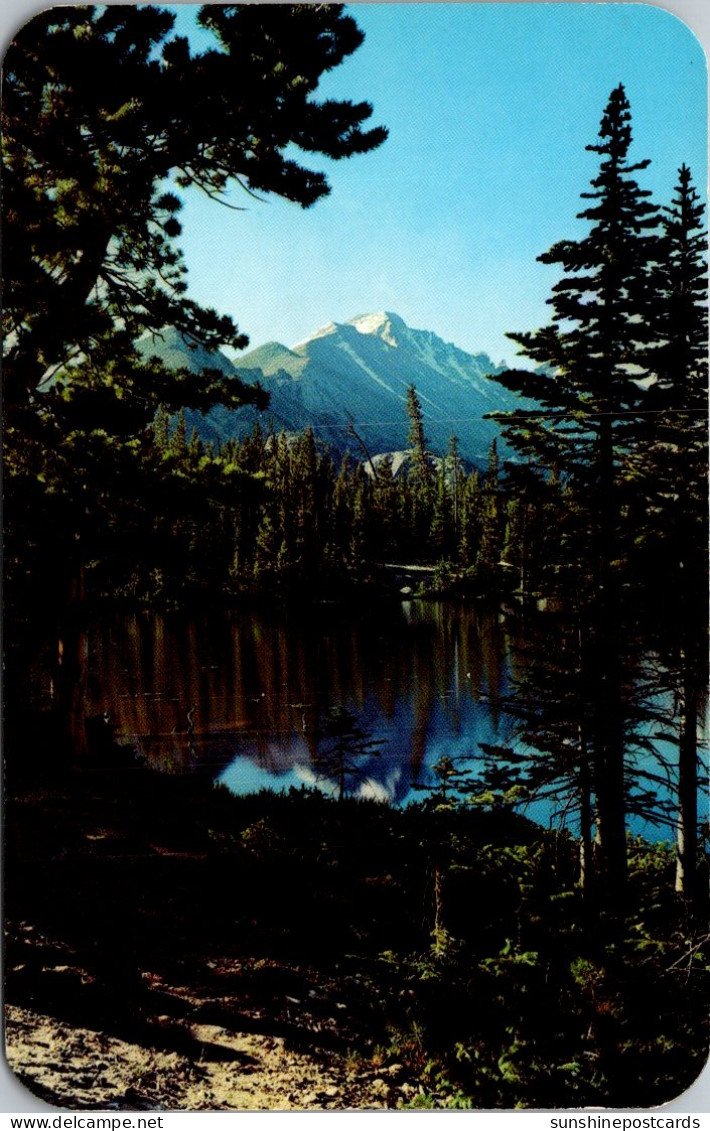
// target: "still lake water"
[[241, 695]]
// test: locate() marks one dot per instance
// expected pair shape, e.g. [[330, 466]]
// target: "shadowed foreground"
[[173, 947]]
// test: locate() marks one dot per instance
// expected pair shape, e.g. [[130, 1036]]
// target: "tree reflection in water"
[[242, 695]]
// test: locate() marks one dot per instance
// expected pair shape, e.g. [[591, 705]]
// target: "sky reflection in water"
[[242, 695]]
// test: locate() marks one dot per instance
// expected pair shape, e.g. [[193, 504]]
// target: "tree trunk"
[[687, 825], [586, 864], [70, 684], [439, 934], [605, 670], [609, 790]]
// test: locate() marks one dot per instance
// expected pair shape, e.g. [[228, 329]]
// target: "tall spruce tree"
[[593, 359], [470, 520], [453, 463], [416, 439], [420, 474], [490, 546], [669, 468], [306, 505]]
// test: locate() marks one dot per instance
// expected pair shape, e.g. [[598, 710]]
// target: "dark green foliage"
[[619, 365], [525, 1003], [513, 970], [600, 343], [491, 536], [668, 469], [416, 440], [680, 361], [99, 112], [421, 481], [299, 525], [103, 109]]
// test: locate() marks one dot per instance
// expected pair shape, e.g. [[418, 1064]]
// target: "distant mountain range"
[[358, 370]]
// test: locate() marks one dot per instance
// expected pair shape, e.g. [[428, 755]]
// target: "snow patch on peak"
[[382, 323]]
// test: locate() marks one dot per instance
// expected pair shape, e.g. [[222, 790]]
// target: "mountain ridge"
[[357, 371]]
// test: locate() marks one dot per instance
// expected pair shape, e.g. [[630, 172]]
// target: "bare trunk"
[[70, 684], [586, 863], [606, 673], [439, 932], [687, 825]]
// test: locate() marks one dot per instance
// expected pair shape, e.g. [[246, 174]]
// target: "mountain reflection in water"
[[242, 695]]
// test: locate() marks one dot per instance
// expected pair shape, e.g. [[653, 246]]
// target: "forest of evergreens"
[[592, 529]]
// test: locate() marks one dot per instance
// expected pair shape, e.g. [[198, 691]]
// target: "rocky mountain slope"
[[358, 371]]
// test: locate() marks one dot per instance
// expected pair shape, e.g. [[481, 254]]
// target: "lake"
[[244, 696]]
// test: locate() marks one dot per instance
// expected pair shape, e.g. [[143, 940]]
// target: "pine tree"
[[441, 524], [681, 361], [98, 116], [470, 524], [341, 515], [592, 360], [386, 504], [552, 712], [513, 554], [360, 533], [684, 381], [161, 430], [669, 470], [307, 508], [251, 450], [420, 475], [491, 534], [270, 535], [453, 463], [416, 440], [195, 449], [178, 440]]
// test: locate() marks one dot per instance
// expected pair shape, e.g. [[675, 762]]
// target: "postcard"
[[355, 545]]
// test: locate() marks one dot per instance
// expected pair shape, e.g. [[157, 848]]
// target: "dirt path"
[[83, 1069]]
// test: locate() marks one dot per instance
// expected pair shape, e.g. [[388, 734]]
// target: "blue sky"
[[489, 108]]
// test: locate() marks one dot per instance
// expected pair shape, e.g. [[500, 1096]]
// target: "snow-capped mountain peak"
[[382, 323], [357, 373]]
